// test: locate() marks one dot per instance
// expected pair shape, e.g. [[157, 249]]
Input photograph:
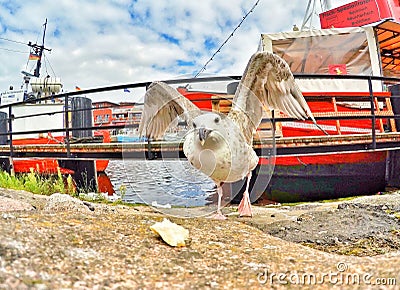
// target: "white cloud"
[[97, 43]]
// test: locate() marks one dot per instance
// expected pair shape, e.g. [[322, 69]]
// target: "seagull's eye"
[[216, 120], [194, 125]]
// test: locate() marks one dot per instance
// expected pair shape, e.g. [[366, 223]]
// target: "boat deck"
[[285, 146]]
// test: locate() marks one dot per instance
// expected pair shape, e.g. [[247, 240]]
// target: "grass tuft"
[[38, 183]]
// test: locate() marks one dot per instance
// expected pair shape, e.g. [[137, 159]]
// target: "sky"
[[112, 42]]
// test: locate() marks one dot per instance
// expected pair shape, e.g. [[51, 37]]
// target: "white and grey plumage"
[[221, 145]]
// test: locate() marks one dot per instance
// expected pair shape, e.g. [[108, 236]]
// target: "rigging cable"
[[226, 40], [12, 50], [47, 62], [6, 39], [14, 41]]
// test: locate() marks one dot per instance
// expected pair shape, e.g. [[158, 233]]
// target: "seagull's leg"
[[219, 215], [245, 204]]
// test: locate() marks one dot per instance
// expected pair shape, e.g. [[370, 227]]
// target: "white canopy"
[[352, 51]]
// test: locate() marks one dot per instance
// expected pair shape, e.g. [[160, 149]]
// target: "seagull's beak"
[[203, 133]]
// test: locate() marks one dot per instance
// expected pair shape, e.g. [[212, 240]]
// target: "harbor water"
[[161, 182]]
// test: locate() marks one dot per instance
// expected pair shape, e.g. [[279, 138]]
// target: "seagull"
[[220, 145]]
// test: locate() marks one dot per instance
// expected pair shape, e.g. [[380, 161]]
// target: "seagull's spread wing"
[[267, 81], [162, 105]]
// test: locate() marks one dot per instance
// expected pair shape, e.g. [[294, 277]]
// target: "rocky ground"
[[365, 226], [59, 242]]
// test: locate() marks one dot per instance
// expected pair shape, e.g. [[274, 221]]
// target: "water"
[[166, 182]]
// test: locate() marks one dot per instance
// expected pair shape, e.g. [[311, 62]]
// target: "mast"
[[312, 10], [38, 49], [326, 5]]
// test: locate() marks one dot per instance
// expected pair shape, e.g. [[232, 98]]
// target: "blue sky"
[[98, 43]]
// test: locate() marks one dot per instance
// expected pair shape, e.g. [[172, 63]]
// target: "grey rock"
[[65, 202]]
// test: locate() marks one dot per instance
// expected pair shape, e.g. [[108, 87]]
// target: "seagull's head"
[[208, 127]]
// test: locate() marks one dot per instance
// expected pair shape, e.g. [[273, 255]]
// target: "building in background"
[[112, 114]]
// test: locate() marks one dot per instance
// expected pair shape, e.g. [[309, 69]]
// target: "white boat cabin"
[[46, 119]]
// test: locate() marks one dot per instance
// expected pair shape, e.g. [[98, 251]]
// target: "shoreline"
[[53, 242]]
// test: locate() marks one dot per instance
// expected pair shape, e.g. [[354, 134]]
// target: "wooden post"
[[5, 164], [336, 111], [378, 110], [390, 110], [393, 168], [85, 173]]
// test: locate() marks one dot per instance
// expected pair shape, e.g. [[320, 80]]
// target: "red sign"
[[359, 13], [337, 69]]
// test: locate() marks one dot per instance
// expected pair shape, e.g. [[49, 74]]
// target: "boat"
[[316, 52], [127, 135], [43, 115], [122, 138], [313, 57]]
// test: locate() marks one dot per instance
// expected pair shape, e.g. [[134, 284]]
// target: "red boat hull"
[[49, 165], [309, 178], [42, 166], [101, 164]]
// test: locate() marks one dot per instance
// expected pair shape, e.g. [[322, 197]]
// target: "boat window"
[[345, 53]]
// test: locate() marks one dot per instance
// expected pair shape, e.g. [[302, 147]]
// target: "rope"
[[6, 39], [12, 50], [226, 40]]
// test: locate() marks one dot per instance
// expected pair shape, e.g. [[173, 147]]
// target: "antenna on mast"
[[312, 11], [38, 49]]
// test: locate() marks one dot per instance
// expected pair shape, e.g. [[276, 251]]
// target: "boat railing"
[[382, 112]]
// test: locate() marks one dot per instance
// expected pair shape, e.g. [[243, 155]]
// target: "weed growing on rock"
[[38, 183]]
